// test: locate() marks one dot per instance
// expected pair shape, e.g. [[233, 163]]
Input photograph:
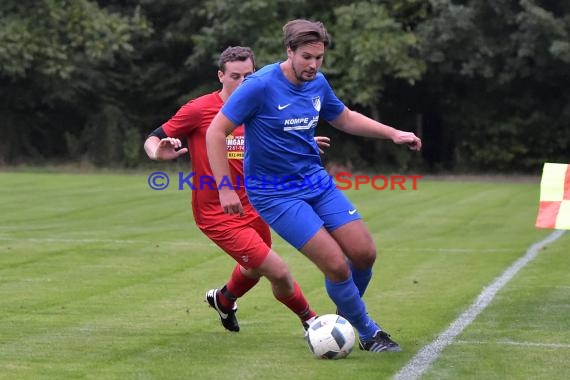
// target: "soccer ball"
[[330, 336]]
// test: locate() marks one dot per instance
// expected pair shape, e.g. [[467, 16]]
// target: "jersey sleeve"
[[244, 102], [332, 107], [182, 123]]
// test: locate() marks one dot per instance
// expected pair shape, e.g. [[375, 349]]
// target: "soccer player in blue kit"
[[280, 106]]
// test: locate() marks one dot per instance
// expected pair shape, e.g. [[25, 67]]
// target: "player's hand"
[[322, 142], [169, 148], [408, 138], [230, 202]]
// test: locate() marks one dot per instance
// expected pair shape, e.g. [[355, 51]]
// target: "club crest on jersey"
[[317, 103]]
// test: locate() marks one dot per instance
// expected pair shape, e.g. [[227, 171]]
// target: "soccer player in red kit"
[[246, 238]]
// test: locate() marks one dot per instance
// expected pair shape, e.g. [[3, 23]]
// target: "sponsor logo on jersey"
[[301, 123], [235, 146], [235, 155]]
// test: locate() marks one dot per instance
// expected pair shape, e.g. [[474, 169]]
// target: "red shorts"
[[249, 244]]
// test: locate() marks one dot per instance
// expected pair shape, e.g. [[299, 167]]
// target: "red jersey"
[[191, 122]]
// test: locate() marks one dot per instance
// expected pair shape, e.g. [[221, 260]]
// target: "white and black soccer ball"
[[330, 336]]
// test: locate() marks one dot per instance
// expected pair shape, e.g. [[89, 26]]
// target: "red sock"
[[237, 286], [298, 303]]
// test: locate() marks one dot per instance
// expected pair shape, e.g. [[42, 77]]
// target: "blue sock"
[[361, 278], [346, 297]]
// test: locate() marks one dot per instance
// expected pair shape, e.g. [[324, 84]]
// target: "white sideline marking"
[[427, 355], [512, 343]]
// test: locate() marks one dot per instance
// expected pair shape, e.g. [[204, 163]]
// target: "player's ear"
[[289, 52], [221, 76]]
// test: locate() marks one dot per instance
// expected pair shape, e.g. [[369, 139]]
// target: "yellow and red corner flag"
[[554, 209]]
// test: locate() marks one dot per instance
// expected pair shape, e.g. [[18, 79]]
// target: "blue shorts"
[[298, 218]]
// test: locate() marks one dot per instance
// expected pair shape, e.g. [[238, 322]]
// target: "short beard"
[[299, 76]]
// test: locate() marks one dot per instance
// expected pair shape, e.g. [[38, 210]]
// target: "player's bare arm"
[[220, 127], [355, 123], [168, 148]]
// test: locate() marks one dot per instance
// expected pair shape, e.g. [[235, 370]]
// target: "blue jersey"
[[280, 120]]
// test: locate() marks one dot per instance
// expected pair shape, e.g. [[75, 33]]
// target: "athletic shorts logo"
[[352, 212], [282, 107]]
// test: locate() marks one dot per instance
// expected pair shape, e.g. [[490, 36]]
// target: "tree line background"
[[484, 83]]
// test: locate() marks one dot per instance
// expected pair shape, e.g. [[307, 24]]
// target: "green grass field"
[[103, 278]]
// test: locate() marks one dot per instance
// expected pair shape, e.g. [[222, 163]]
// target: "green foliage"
[[500, 85], [132, 147], [54, 59], [55, 38], [255, 23], [369, 46]]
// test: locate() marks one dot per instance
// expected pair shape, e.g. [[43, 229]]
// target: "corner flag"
[[554, 209]]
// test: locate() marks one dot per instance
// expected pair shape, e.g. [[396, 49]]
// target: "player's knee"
[[279, 274], [283, 285], [362, 257], [367, 263], [337, 270], [284, 276]]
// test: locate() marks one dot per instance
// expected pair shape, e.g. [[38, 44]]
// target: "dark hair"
[[301, 32], [235, 53]]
